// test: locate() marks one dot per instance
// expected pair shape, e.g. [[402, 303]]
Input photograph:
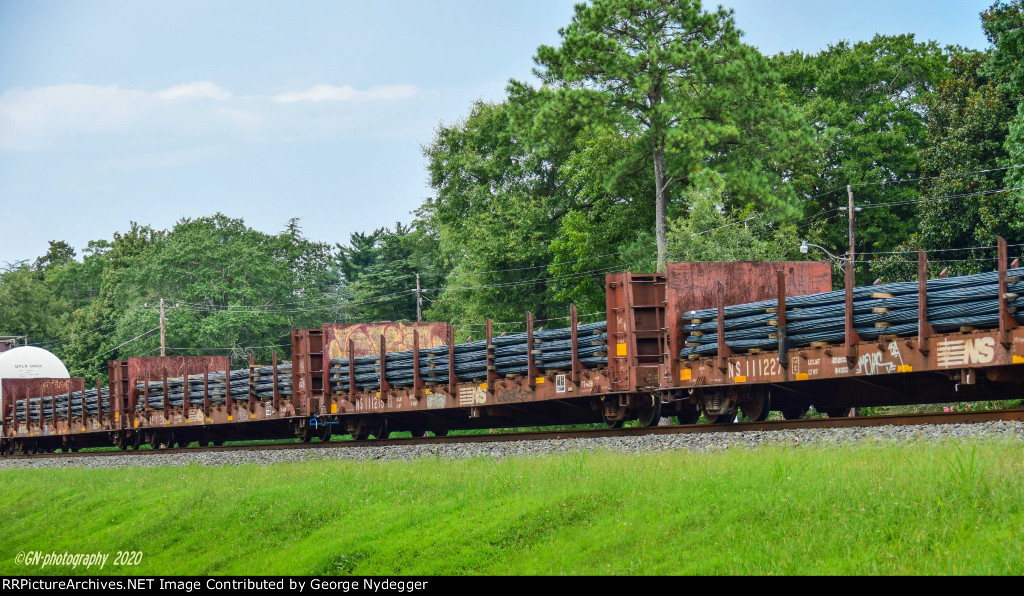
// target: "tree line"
[[655, 134]]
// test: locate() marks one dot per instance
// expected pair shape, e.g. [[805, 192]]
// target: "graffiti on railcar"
[[513, 395], [398, 337]]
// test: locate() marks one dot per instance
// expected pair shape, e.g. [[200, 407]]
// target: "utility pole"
[[849, 193], [419, 301], [163, 330], [163, 325]]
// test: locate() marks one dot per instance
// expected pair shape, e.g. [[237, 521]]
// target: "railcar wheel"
[[649, 410], [418, 432], [757, 408], [613, 415], [723, 418], [441, 433], [381, 430], [325, 434], [218, 443], [362, 431], [612, 423]]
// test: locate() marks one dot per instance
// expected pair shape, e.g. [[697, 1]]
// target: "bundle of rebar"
[[970, 301], [552, 351], [235, 383], [38, 408]]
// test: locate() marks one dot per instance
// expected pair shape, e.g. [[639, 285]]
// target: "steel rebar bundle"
[[552, 350], [889, 309]]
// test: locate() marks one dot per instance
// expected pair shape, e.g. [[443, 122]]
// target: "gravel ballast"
[[834, 437]]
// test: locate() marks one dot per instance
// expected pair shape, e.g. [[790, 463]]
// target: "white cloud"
[[198, 90], [318, 93], [38, 118], [32, 118]]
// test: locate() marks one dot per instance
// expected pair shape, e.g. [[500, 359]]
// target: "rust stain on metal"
[[398, 337], [29, 388]]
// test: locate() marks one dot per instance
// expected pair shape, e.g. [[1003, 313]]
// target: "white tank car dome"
[[30, 362]]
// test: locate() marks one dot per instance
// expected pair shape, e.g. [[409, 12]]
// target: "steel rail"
[[1015, 415]]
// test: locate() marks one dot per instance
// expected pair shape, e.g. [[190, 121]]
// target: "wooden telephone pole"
[[419, 301], [163, 324]]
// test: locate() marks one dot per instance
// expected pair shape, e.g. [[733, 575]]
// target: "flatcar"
[[701, 338]]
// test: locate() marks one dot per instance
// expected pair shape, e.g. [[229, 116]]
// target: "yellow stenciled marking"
[[334, 408], [802, 376], [620, 349], [483, 385], [231, 418], [904, 368], [1018, 359], [740, 378], [426, 391], [540, 380], [685, 374]]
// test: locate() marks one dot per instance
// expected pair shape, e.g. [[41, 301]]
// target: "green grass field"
[[917, 509]]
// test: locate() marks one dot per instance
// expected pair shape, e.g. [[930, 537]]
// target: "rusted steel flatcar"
[[645, 361]]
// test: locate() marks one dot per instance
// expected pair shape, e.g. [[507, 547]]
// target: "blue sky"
[[112, 112]]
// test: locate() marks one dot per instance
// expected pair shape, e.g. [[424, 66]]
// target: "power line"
[[139, 336]]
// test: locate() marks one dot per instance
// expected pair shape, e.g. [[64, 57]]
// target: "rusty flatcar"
[[633, 370]]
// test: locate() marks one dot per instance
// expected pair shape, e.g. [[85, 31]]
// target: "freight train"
[[701, 338]]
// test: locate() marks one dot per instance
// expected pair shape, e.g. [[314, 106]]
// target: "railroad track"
[[773, 425]]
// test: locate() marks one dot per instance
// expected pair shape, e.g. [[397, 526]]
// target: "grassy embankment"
[[946, 509]]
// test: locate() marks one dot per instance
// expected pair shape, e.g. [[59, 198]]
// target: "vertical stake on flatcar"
[[723, 350], [207, 402], [384, 385], [492, 373], [167, 402], [99, 403], [53, 410], [229, 402], [115, 370], [574, 336], [186, 405], [145, 394], [417, 380], [1006, 320], [532, 372], [453, 379], [780, 279], [924, 328], [252, 384], [275, 398], [351, 371], [69, 406], [851, 337]]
